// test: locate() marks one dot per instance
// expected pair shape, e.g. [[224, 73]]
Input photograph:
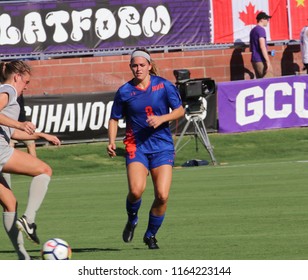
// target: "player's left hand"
[[53, 139], [154, 121]]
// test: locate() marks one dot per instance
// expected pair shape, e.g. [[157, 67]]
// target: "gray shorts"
[[6, 151]]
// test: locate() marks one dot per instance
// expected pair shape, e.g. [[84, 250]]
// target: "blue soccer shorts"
[[151, 161]]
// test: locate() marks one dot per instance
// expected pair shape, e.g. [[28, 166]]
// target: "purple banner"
[[66, 26], [263, 104]]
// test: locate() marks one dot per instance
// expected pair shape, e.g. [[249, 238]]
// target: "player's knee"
[[135, 196], [162, 199], [10, 205], [46, 169]]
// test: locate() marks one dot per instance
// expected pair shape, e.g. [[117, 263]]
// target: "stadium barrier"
[[84, 117], [261, 104]]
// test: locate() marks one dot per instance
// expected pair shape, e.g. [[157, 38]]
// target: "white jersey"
[[304, 44], [11, 110]]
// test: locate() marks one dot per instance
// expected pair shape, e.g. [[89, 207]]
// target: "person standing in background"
[[304, 46], [258, 47]]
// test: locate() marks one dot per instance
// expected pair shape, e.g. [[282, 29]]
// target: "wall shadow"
[[288, 66], [237, 67]]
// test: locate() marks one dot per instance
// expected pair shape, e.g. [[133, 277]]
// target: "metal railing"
[[128, 50]]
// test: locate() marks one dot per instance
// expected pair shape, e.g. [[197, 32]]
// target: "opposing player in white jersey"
[[14, 78]]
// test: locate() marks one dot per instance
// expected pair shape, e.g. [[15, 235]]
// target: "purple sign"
[[263, 104], [66, 26]]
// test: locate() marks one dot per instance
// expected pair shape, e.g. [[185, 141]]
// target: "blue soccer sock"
[[154, 224], [132, 211]]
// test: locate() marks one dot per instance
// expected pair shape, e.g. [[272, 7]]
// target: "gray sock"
[[37, 192], [9, 220], [7, 177]]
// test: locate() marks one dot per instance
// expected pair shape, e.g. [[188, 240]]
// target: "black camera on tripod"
[[193, 91]]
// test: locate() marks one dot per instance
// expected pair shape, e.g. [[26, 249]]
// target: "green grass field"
[[252, 206]]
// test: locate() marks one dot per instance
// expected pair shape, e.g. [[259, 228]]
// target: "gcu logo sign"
[[277, 101]]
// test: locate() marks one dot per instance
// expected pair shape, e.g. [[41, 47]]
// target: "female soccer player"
[[14, 78], [145, 103]]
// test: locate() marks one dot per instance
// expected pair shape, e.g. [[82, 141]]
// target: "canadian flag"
[[233, 19]]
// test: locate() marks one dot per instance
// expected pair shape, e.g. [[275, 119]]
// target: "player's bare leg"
[[162, 178], [137, 176]]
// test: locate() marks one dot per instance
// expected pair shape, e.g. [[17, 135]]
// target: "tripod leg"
[[204, 138], [196, 142], [181, 135], [196, 139]]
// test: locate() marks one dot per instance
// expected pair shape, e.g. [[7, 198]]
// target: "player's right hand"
[[28, 127], [111, 150]]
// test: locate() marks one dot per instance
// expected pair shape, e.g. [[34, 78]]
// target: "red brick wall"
[[107, 73]]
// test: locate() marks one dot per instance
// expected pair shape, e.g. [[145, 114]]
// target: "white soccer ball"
[[56, 249]]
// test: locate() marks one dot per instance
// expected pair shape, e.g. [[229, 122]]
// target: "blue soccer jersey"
[[135, 104]]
